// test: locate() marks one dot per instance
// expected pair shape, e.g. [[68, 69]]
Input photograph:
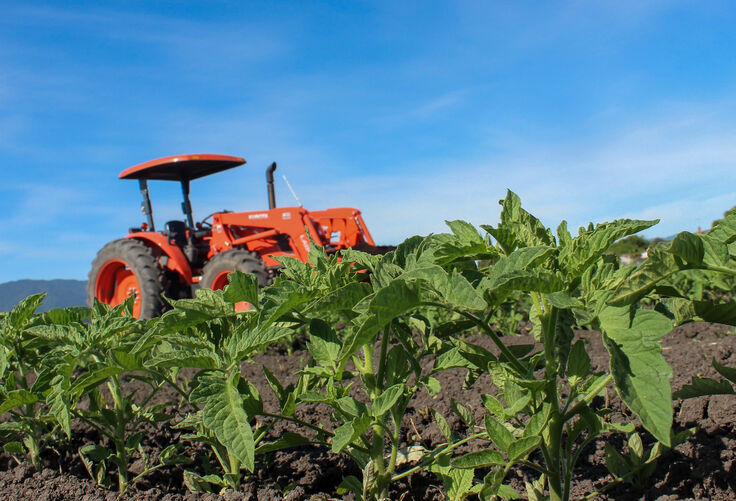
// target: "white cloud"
[[678, 168], [430, 108]]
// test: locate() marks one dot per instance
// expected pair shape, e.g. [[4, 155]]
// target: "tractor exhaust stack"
[[269, 182]]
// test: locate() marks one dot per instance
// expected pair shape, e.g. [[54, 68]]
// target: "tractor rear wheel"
[[124, 267], [214, 273]]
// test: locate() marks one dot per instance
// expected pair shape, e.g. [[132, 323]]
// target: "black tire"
[[233, 260], [105, 282]]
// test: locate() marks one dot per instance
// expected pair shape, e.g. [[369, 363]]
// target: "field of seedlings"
[[524, 363]]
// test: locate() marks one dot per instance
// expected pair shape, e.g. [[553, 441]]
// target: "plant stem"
[[382, 358], [589, 396], [720, 269], [436, 453], [377, 456], [234, 470], [548, 319], [494, 337], [119, 436], [394, 446]]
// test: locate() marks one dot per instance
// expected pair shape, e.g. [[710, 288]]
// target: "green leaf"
[[516, 272], [58, 402], [563, 337], [465, 232], [242, 287], [3, 362], [351, 406], [61, 334], [14, 447], [507, 492], [498, 433], [464, 244], [206, 306], [17, 398], [180, 357], [562, 300], [387, 399], [323, 344], [399, 364], [703, 386], [492, 404], [286, 440], [344, 298], [452, 287], [433, 385], [518, 228], [92, 379], [95, 453], [458, 483], [19, 316], [585, 249], [443, 425], [129, 361], [349, 432], [466, 416], [449, 359], [244, 341], [688, 247], [537, 422], [727, 372], [707, 311], [66, 315], [351, 484], [479, 459], [636, 285], [640, 372], [396, 299], [725, 229], [196, 483], [615, 462], [715, 251], [520, 449], [477, 356], [224, 415], [578, 365], [283, 299]]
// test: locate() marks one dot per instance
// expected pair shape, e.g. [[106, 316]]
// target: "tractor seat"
[[176, 232]]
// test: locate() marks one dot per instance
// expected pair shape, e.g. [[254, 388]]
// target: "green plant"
[[571, 283], [388, 326], [206, 333], [23, 392], [83, 358]]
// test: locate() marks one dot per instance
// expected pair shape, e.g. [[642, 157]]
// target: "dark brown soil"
[[704, 467]]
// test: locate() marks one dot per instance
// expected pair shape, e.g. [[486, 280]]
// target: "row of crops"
[[370, 322]]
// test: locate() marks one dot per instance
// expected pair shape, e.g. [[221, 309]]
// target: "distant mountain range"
[[59, 293]]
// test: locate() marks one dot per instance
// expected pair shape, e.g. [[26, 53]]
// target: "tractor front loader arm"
[[281, 231]]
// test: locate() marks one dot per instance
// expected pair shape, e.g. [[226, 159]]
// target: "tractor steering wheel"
[[204, 221]]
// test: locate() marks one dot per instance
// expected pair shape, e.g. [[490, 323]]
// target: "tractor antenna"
[[293, 193]]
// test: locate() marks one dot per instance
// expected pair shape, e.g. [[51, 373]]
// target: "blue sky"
[[414, 112]]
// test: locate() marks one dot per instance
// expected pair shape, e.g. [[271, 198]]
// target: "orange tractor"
[[185, 255]]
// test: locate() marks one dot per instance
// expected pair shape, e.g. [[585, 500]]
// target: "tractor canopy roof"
[[182, 167]]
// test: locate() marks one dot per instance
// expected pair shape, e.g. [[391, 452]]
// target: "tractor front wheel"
[[214, 273], [124, 267]]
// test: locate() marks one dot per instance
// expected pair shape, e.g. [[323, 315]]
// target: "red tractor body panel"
[[176, 261]]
